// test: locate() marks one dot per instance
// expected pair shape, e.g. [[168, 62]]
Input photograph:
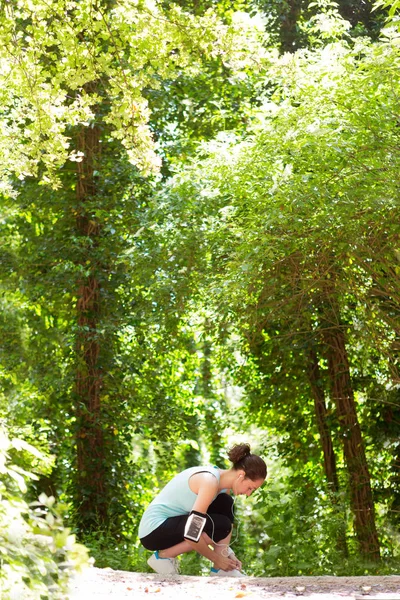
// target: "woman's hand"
[[237, 561], [225, 563], [231, 555]]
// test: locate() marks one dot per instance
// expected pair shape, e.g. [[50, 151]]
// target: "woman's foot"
[[163, 566]]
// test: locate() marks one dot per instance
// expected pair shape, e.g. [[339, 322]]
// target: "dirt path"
[[105, 584]]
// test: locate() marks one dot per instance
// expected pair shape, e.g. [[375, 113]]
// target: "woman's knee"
[[221, 527], [223, 505]]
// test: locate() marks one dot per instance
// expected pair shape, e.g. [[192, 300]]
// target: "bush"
[[38, 554]]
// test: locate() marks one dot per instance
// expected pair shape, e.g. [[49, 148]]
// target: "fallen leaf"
[[240, 594]]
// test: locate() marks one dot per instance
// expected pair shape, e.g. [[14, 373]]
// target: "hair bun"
[[238, 452]]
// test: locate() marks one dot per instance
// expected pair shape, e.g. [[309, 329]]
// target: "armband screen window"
[[194, 526]]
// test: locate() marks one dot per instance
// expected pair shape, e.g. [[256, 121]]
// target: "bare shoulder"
[[203, 480]]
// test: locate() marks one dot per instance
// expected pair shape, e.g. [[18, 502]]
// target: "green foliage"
[[292, 24], [59, 60], [306, 203], [38, 554], [215, 281], [295, 523], [75, 217], [392, 5], [307, 187]]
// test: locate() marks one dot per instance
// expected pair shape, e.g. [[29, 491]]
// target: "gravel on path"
[[104, 584]]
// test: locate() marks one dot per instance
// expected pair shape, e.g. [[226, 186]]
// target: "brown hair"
[[253, 465]]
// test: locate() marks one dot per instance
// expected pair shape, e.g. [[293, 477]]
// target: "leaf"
[[46, 500], [19, 444], [25, 473], [19, 479]]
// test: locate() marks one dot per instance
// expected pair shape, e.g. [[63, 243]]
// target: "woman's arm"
[[221, 562], [205, 485]]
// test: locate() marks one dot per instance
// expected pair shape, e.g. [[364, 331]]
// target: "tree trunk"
[[318, 393], [321, 414], [342, 392], [288, 26], [91, 477], [395, 482]]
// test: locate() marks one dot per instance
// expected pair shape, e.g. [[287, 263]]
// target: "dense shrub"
[[38, 554]]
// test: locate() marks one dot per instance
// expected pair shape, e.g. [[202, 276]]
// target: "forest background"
[[199, 245]]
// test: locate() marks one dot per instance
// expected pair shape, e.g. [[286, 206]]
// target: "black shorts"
[[220, 516]]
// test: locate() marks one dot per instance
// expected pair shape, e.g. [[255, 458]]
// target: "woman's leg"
[[221, 511], [168, 538], [176, 550], [219, 547], [218, 526], [223, 505]]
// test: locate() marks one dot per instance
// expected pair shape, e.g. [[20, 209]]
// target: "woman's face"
[[246, 486]]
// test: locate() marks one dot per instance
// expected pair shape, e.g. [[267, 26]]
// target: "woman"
[[196, 505]]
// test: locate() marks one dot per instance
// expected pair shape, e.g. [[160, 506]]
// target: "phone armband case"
[[194, 526]]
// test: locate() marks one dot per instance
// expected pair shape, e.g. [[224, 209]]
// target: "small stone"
[[365, 589]]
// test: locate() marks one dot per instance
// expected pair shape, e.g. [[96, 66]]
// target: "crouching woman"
[[195, 512]]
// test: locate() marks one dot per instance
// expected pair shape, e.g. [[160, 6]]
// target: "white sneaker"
[[163, 566], [221, 573]]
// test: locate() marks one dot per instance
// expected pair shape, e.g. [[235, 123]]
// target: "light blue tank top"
[[175, 499]]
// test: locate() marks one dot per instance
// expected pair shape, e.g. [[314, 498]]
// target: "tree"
[[74, 84], [292, 24], [294, 208]]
